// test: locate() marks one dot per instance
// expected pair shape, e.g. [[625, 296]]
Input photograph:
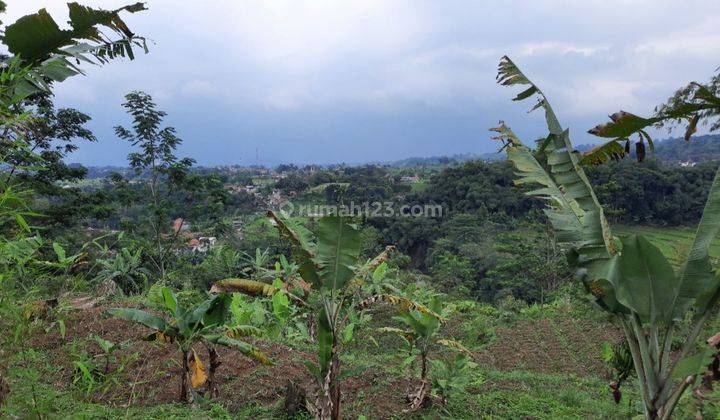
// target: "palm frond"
[[573, 208], [240, 331], [248, 287], [403, 303], [247, 349], [54, 54], [612, 150], [455, 345], [510, 75]]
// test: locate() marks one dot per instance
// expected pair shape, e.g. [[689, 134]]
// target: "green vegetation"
[[171, 290], [202, 323], [329, 264], [674, 243], [630, 278]]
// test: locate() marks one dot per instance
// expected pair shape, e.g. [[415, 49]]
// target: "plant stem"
[[637, 361], [650, 376], [183, 382]]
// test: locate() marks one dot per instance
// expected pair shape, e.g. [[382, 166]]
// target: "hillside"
[[700, 149], [676, 151], [542, 362]]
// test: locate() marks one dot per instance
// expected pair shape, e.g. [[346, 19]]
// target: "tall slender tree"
[[155, 160]]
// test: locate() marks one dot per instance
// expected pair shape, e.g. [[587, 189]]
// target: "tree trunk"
[[328, 405], [214, 364], [312, 327], [335, 383], [324, 401], [419, 398], [184, 380]]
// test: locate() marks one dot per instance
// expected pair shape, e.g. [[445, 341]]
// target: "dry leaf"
[[198, 374]]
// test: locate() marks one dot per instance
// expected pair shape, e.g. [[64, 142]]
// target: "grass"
[[263, 181], [321, 188], [674, 242], [377, 380], [540, 363], [419, 186], [527, 394]]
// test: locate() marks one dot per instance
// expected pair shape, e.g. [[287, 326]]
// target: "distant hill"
[[698, 149], [672, 151], [677, 151], [94, 172], [444, 160]]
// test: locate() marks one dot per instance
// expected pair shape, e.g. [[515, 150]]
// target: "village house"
[[275, 198]]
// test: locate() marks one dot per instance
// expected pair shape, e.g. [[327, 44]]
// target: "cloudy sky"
[[354, 81]]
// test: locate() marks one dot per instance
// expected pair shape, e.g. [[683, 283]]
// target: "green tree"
[[696, 103], [156, 160], [420, 333], [125, 269], [329, 260], [40, 53], [629, 277]]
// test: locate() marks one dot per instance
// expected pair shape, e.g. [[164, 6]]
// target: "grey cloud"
[[372, 80]]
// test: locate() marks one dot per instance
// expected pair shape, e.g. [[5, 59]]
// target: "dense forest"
[[457, 287]]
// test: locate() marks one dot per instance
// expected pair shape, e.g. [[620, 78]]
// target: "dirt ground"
[[559, 345], [550, 345], [155, 377]]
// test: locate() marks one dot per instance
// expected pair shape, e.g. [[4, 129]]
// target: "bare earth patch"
[[154, 378], [550, 345]]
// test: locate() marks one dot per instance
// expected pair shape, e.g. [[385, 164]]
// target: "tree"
[[201, 198], [125, 270], [328, 261], [292, 183], [652, 193], [40, 53], [419, 335], [38, 164], [51, 135], [692, 104], [286, 167], [156, 159], [629, 277]]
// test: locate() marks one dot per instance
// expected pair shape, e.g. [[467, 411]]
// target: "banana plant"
[[329, 262], [256, 265], [126, 270], [619, 359], [451, 375], [691, 104], [204, 324], [629, 277], [419, 335]]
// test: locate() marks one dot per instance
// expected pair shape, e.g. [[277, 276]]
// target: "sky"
[[300, 81]]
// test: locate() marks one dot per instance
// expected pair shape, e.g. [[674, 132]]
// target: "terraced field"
[[674, 242]]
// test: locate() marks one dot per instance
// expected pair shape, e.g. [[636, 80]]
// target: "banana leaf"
[[244, 348], [699, 282], [338, 250], [647, 283], [141, 317]]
